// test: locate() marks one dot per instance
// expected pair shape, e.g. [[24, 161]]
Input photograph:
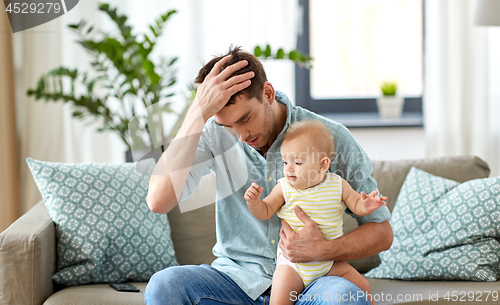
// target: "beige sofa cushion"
[[193, 234], [28, 258], [390, 176], [100, 294], [387, 292]]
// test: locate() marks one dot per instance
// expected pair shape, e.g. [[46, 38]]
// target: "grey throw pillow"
[[444, 230], [104, 229]]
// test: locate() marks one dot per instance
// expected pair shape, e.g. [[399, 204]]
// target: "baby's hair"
[[322, 137]]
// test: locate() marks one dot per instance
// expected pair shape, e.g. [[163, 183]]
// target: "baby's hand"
[[252, 195], [372, 202]]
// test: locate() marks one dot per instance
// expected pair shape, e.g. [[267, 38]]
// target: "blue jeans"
[[206, 285]]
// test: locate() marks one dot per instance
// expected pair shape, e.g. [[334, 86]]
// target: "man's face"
[[249, 120]]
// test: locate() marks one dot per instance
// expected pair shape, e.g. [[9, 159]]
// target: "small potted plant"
[[390, 105]]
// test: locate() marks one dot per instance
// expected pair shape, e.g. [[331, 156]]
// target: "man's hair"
[[257, 85], [316, 132]]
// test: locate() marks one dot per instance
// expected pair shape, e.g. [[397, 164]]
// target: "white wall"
[[391, 143]]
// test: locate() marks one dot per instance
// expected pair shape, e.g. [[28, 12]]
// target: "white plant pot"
[[390, 107]]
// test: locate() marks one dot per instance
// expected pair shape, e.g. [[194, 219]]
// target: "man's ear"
[[268, 93], [325, 164]]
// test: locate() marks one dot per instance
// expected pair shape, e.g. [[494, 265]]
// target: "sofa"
[[28, 248]]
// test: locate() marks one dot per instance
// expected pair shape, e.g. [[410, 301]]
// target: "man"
[[235, 128]]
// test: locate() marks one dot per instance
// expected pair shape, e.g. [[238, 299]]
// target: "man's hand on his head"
[[218, 87], [302, 246]]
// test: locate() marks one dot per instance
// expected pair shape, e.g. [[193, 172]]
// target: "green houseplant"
[[389, 88], [390, 106], [124, 82], [296, 56], [127, 92]]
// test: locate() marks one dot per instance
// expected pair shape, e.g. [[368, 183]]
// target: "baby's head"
[[307, 151]]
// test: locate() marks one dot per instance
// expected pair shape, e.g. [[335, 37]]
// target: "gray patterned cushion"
[[105, 231], [444, 230]]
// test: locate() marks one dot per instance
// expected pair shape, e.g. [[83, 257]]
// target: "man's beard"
[[269, 127]]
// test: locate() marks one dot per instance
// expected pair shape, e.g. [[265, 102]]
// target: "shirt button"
[[270, 178], [273, 241]]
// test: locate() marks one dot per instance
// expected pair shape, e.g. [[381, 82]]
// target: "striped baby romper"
[[323, 204]]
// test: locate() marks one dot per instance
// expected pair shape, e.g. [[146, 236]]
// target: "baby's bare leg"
[[287, 285], [343, 269]]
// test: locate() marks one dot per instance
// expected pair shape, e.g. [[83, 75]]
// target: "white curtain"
[[461, 83], [198, 31], [9, 156]]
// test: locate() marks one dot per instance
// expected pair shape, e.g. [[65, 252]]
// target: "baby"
[[307, 151]]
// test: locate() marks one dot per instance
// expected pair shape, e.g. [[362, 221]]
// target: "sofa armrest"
[[28, 258]]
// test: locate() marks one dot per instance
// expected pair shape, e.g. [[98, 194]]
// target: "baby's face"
[[301, 163]]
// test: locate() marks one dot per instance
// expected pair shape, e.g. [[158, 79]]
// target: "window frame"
[[346, 105]]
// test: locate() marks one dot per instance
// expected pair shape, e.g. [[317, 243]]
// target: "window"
[[356, 45]]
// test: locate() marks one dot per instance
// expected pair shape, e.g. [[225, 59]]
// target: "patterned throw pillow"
[[104, 229], [444, 230]]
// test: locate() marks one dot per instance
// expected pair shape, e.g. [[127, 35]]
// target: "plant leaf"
[[153, 30], [268, 51], [257, 51], [280, 54]]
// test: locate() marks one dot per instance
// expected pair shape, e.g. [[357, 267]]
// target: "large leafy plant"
[[127, 91], [124, 82]]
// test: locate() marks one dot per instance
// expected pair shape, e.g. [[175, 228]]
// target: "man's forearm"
[[366, 240], [171, 172]]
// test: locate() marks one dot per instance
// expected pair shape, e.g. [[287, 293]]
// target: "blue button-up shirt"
[[246, 247]]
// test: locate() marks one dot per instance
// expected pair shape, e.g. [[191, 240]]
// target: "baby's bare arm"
[[361, 204], [263, 209]]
